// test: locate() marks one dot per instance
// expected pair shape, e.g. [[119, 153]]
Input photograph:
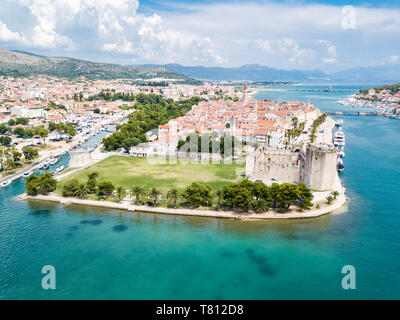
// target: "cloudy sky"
[[328, 35]]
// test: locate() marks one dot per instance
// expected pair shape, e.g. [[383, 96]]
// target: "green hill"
[[23, 64]]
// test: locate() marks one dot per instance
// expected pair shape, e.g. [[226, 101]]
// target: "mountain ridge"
[[22, 64], [255, 72]]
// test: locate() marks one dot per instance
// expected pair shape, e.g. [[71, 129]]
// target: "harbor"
[[49, 162], [381, 108]]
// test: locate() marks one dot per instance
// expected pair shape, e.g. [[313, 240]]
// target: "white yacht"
[[53, 161], [339, 138]]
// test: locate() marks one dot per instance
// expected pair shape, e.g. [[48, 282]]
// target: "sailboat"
[[330, 89]]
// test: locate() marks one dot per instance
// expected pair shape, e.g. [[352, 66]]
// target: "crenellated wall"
[[316, 167], [274, 165]]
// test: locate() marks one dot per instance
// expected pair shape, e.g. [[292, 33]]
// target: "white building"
[[30, 112]]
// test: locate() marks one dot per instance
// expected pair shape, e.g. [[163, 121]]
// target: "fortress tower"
[[315, 166], [320, 168], [79, 158]]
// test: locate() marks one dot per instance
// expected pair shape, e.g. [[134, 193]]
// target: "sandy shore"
[[127, 205]]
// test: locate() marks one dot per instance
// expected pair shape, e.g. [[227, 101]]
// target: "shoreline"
[[127, 206]]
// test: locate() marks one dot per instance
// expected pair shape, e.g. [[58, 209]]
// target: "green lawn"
[[128, 172]]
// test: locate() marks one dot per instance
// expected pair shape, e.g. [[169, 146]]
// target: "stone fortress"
[[80, 158], [314, 165]]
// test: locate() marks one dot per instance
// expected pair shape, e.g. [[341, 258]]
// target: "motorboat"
[[5, 183], [341, 153], [27, 174], [59, 169], [339, 122], [339, 165]]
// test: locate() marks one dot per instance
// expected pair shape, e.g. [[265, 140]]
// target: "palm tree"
[[1, 159], [329, 200], [81, 192], [261, 206], [94, 175], [154, 194], [121, 193], [295, 122], [43, 133], [137, 191], [173, 195], [220, 197], [335, 194]]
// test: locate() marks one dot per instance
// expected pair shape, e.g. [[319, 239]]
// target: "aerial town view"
[[199, 179]]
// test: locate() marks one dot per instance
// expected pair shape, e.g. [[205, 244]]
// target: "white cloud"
[[7, 35], [329, 60], [273, 34], [115, 27], [331, 51]]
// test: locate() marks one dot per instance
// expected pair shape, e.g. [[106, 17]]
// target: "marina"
[[48, 162]]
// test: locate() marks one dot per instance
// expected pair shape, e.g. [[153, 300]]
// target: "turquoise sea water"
[[107, 254]]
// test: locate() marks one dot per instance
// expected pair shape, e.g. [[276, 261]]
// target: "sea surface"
[[110, 254]]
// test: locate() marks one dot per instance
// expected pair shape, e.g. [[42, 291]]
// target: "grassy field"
[[128, 172]]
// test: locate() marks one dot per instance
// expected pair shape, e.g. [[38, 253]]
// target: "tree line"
[[394, 88], [208, 143], [10, 157], [43, 184], [150, 112], [245, 195], [321, 119]]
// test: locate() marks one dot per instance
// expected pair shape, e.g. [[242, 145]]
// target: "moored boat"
[[339, 165], [59, 169], [339, 122], [27, 174], [339, 138], [5, 183]]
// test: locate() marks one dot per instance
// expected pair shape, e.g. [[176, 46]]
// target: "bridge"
[[353, 113]]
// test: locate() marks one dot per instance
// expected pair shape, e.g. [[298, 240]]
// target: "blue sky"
[[326, 35]]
